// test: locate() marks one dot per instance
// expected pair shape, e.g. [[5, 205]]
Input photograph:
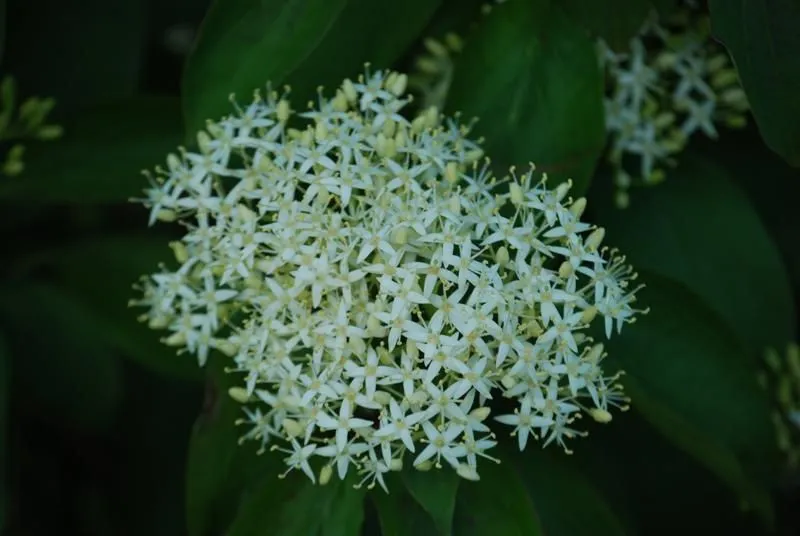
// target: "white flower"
[[367, 284], [673, 81]]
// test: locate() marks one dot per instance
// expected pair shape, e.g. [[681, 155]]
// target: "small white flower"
[[672, 82]]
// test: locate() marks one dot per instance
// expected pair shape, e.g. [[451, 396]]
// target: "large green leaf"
[[614, 21], [62, 362], [713, 454], [101, 272], [220, 470], [763, 39], [435, 491], [700, 229], [497, 504], [771, 184], [624, 459], [567, 503], [306, 43], [102, 154], [282, 508], [692, 380], [79, 53], [399, 514], [532, 78]]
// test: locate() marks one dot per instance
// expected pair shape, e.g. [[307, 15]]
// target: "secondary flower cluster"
[[673, 81], [375, 287], [782, 377]]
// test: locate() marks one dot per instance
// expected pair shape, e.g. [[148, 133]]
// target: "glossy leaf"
[[101, 156], [69, 375], [219, 470], [305, 43], [497, 504], [771, 185], [282, 508], [567, 503], [399, 514], [715, 456], [700, 229], [697, 386], [762, 37], [531, 76], [102, 272], [614, 21], [436, 492]]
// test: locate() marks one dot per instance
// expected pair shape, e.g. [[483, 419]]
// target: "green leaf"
[[4, 385], [762, 37], [62, 362], [219, 470], [102, 271], [567, 503], [532, 78], [719, 459], [691, 379], [79, 53], [101, 156], [296, 507], [398, 513], [306, 43], [435, 491], [497, 504], [614, 21], [770, 183], [700, 229]]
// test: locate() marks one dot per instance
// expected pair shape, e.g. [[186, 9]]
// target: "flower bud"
[[424, 466], [467, 472], [577, 208], [451, 172], [501, 257], [600, 415], [595, 239], [565, 270], [239, 394], [589, 314], [180, 251], [349, 91], [517, 197], [325, 475], [282, 112], [398, 85], [292, 427], [481, 413]]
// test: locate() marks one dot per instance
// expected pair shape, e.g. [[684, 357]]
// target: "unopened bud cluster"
[[433, 70], [782, 377], [672, 81], [376, 289], [26, 122]]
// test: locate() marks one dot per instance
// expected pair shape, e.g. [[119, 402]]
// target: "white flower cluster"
[[672, 82], [376, 288]]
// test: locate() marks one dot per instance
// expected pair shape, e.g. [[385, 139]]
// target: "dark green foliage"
[[104, 430]]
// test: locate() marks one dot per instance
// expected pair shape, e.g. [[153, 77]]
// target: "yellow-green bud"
[[600, 415], [239, 394]]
